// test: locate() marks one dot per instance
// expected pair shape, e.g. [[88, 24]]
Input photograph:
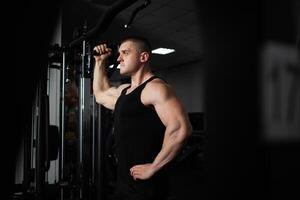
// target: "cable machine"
[[81, 164], [94, 120]]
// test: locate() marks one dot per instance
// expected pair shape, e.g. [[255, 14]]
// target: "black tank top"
[[139, 131]]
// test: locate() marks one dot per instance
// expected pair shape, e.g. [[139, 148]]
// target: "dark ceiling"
[[165, 23]]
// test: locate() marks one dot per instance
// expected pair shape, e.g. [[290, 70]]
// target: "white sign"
[[280, 87]]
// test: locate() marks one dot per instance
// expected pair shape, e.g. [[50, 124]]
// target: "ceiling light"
[[162, 51]]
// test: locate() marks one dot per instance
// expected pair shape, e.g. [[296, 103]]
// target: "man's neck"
[[140, 76]]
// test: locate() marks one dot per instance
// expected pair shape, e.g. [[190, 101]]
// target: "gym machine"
[[84, 149]]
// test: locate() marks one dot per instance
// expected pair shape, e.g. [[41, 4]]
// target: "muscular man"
[[151, 125]]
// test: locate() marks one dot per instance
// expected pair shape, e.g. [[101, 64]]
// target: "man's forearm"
[[100, 82], [173, 143]]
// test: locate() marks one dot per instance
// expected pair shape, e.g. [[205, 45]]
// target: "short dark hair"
[[142, 42]]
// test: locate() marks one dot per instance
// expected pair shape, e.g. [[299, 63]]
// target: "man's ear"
[[144, 56]]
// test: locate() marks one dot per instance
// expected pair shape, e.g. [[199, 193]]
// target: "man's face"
[[129, 58]]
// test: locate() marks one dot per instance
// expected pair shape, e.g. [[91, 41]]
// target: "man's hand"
[[103, 52], [142, 172]]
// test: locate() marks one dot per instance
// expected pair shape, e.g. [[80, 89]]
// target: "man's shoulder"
[[157, 89], [157, 84], [122, 86]]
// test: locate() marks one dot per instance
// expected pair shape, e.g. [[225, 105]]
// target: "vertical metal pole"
[[93, 139], [81, 109], [40, 140], [62, 125], [35, 113], [37, 146], [34, 131], [99, 154]]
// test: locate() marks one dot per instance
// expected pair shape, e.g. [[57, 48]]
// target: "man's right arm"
[[105, 94]]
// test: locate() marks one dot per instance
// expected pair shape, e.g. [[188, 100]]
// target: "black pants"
[[155, 188]]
